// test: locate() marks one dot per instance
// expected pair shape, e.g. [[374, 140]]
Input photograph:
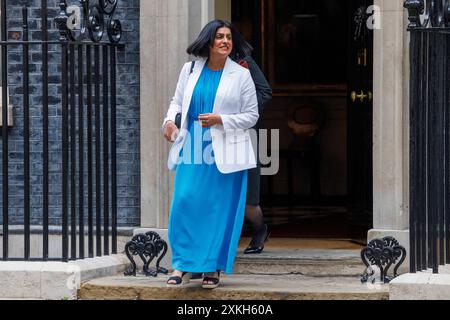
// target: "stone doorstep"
[[55, 280], [309, 262], [281, 257], [233, 287], [304, 267]]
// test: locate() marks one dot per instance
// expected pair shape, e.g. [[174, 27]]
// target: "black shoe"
[[259, 247]]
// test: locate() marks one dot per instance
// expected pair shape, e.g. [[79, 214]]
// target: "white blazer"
[[237, 104]]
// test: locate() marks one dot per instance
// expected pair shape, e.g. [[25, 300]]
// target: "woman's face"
[[223, 43]]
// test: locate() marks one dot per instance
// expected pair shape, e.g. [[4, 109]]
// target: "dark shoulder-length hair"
[[201, 46]]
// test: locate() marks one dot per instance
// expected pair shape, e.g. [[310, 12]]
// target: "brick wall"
[[128, 167]]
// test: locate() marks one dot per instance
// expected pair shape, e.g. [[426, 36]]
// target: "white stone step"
[[308, 262], [234, 287]]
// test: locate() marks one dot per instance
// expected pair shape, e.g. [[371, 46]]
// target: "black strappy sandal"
[[179, 281], [215, 281]]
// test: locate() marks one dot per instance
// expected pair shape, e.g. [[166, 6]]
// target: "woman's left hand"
[[209, 119]]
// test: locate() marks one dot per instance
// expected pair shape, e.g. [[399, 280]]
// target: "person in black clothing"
[[253, 212]]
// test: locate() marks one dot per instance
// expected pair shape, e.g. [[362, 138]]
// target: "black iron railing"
[[429, 29], [88, 130]]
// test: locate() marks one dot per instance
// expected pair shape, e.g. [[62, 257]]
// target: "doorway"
[[317, 56]]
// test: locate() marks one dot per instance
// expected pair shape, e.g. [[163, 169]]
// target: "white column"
[[200, 13], [391, 124], [166, 29], [163, 41], [207, 11]]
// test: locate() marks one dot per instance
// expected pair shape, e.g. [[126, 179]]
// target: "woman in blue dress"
[[211, 154]]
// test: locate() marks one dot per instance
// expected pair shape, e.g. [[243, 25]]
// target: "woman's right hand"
[[171, 131]]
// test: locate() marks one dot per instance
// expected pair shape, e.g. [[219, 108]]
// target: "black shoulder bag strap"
[[178, 116]]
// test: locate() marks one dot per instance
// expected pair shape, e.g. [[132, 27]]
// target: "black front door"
[[359, 117], [317, 53]]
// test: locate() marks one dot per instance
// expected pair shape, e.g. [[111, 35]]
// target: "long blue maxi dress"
[[207, 210]]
